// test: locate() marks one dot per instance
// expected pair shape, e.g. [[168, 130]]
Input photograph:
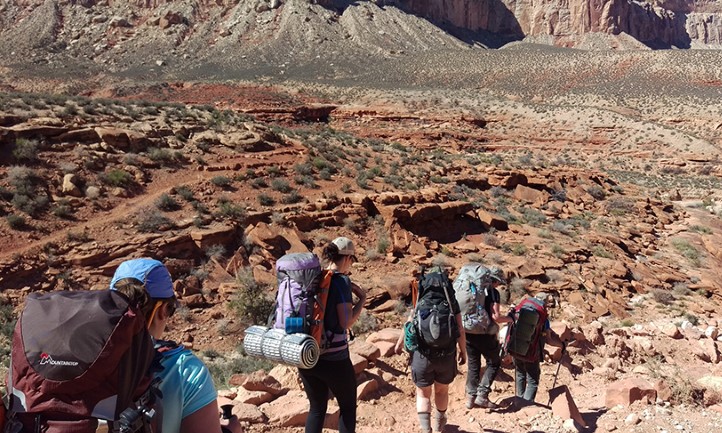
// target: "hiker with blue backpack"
[[189, 397], [334, 370], [431, 335], [478, 298], [525, 341]]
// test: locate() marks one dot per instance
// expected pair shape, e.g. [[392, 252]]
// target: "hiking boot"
[[484, 402], [470, 401], [439, 421]]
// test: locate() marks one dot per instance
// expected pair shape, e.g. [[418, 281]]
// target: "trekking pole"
[[559, 365]]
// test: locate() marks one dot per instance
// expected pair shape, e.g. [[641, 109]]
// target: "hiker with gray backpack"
[[478, 298], [431, 335]]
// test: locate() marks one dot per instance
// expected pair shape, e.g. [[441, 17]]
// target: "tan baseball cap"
[[345, 246]]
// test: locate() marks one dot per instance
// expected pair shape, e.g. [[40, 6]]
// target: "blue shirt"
[[187, 386], [339, 293]]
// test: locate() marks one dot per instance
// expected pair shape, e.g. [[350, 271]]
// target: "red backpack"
[[78, 357], [524, 339]]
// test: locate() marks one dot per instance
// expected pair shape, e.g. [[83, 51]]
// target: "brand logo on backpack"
[[47, 359]]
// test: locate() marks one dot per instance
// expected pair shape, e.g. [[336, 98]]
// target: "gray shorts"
[[424, 371]]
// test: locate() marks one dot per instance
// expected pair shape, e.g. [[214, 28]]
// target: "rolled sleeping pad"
[[253, 340], [297, 350]]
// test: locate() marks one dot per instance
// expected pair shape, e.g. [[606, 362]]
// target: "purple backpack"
[[303, 289]]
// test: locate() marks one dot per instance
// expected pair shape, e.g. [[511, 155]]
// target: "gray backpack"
[[471, 289]]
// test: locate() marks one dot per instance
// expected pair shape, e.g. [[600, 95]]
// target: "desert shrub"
[[251, 303], [266, 200], [532, 216], [366, 322], [490, 239], [303, 169], [28, 196], [280, 185], [700, 229], [597, 192], [161, 156], [230, 210], [63, 210], [689, 251], [518, 249], [662, 296], [563, 227], [557, 250], [26, 150], [16, 222], [221, 181], [600, 251], [518, 288], [152, 222], [346, 188], [222, 369], [694, 320], [274, 171], [292, 197], [77, 237], [185, 193], [278, 218], [383, 244], [307, 181], [167, 203], [259, 182], [681, 289], [118, 178], [215, 251]]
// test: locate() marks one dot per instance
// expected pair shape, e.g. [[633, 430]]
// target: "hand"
[[358, 291], [399, 347], [462, 357]]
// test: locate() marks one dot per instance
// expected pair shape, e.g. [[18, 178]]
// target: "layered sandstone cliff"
[[674, 23]]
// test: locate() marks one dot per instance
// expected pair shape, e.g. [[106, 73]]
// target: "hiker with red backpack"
[[85, 356], [189, 397], [431, 335], [478, 298], [525, 343], [334, 370]]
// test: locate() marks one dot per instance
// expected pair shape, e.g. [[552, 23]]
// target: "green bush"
[[16, 222], [259, 182], [227, 209], [366, 322], [292, 197], [153, 222], [26, 150], [167, 203], [185, 193], [117, 178], [687, 250], [251, 303], [280, 185], [221, 181], [266, 200]]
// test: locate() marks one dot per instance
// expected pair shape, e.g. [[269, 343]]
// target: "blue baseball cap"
[[151, 272]]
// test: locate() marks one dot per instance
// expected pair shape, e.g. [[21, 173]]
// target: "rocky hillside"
[[201, 36]]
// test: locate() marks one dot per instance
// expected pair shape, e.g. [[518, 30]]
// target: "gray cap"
[[497, 274], [345, 246]]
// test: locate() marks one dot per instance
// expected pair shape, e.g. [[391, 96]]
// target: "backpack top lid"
[[297, 262], [154, 275]]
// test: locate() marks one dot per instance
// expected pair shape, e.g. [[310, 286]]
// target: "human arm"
[[497, 316], [461, 340], [348, 312], [205, 419]]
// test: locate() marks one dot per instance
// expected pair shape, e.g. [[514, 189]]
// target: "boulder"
[[626, 391], [262, 381], [390, 335], [359, 363], [287, 376], [369, 351], [291, 410], [366, 389], [249, 413], [70, 186], [253, 397]]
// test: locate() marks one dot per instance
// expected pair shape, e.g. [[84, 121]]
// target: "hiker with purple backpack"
[[334, 370]]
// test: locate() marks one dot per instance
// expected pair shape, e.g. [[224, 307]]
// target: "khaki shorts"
[[425, 371]]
